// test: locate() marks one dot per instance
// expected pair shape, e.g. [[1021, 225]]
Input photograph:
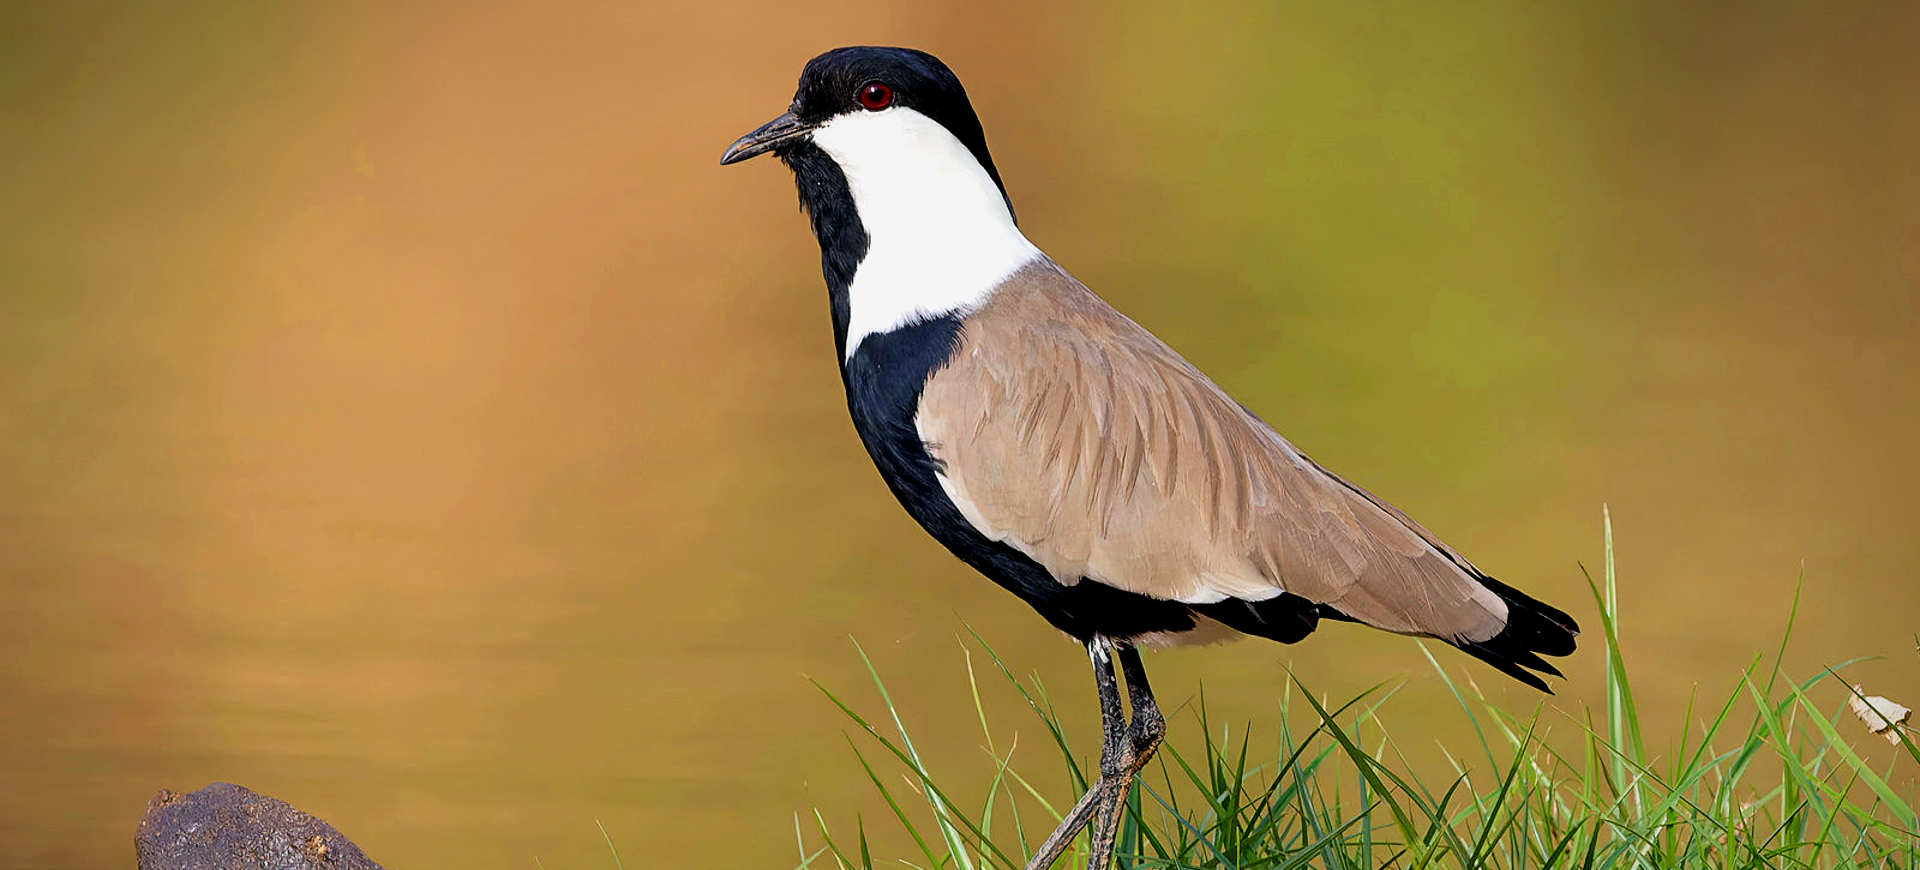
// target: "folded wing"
[[1075, 436]]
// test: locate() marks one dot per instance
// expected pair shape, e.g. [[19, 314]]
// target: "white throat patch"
[[940, 237]]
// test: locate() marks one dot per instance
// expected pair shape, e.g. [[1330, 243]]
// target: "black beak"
[[765, 139]]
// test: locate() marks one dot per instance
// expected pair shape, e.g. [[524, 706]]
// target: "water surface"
[[401, 413]]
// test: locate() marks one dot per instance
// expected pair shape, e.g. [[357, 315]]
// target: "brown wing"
[[1078, 438]]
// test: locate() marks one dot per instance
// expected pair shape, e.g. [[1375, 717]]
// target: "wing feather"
[[1077, 437]]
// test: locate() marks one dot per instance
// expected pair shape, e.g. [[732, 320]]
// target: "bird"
[[1066, 453]]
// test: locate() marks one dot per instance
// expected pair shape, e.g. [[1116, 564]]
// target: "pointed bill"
[[765, 138]]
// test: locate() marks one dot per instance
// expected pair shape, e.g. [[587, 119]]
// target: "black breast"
[[885, 378]]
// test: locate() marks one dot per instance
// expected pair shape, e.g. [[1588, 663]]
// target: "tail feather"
[[1533, 629]]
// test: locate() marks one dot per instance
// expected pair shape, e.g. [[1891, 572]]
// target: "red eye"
[[875, 96]]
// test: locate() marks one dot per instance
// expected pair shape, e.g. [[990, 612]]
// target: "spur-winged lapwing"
[[1064, 451]]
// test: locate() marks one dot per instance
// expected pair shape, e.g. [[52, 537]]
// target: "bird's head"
[[894, 173], [889, 118]]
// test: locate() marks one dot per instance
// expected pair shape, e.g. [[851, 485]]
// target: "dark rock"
[[226, 827]]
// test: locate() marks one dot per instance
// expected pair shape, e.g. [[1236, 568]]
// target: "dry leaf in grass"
[[1881, 716]]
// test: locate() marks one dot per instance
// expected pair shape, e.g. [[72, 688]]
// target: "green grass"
[[1765, 777]]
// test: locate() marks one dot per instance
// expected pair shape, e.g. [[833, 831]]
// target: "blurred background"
[[402, 413]]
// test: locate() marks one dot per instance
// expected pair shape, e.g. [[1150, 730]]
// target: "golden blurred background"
[[402, 413]]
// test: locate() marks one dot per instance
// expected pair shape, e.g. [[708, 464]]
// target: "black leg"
[[1118, 769], [1113, 724], [1075, 820], [1124, 749], [1148, 725]]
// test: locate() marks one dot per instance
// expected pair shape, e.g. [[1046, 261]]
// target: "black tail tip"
[[1533, 629]]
